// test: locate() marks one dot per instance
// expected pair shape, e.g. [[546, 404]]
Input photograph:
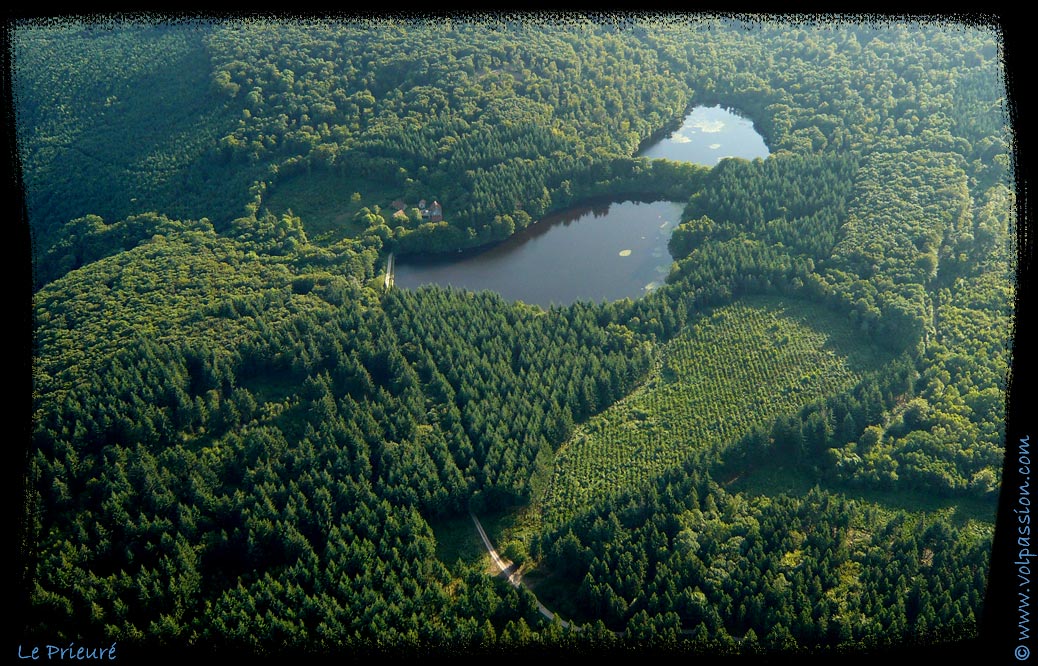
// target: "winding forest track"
[[511, 572]]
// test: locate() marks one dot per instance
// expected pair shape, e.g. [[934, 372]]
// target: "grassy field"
[[323, 200], [777, 480], [457, 539], [738, 367]]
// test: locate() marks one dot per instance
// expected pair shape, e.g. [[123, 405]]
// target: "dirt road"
[[510, 571]]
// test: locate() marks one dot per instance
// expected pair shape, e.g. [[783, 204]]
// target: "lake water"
[[708, 135], [594, 253]]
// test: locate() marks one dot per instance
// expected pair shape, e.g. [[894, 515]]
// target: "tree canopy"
[[241, 440]]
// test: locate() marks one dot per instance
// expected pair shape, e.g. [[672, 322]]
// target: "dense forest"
[[243, 442]]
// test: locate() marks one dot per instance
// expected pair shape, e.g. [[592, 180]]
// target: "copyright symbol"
[[1021, 652]]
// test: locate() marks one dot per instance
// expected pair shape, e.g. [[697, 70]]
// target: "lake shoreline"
[[589, 202], [586, 259], [608, 249]]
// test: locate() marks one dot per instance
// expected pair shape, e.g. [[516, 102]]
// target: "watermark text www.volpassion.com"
[[1024, 554]]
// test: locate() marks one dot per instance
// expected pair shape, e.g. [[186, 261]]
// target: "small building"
[[399, 204], [432, 213]]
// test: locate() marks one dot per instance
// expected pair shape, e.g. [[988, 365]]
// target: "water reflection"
[[603, 251], [707, 135]]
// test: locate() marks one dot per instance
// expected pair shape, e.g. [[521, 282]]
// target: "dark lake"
[[601, 252], [594, 253]]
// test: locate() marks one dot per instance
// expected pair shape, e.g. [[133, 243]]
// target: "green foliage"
[[814, 572], [482, 350], [119, 120], [733, 371], [238, 440]]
